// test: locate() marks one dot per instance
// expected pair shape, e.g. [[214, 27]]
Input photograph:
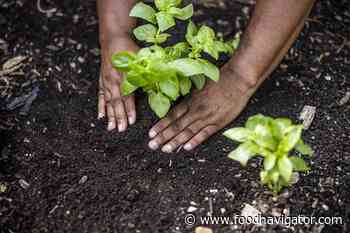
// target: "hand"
[[120, 109], [203, 114]]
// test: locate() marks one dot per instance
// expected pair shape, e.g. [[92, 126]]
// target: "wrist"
[[106, 37], [246, 77]]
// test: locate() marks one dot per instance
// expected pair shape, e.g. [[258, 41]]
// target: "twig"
[[345, 43], [41, 10]]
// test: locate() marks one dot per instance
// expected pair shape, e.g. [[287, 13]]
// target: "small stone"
[[345, 99], [213, 191], [83, 179], [24, 184], [81, 59], [79, 46], [284, 66], [3, 188], [325, 207], [249, 210], [203, 230], [328, 77], [75, 18], [193, 203], [191, 209], [307, 115], [73, 65]]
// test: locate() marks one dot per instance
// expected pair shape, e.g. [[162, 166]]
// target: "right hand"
[[120, 110]]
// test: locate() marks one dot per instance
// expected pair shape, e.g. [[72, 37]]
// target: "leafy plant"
[[273, 139], [166, 73]]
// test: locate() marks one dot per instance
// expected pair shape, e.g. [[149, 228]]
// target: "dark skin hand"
[[270, 34], [115, 24]]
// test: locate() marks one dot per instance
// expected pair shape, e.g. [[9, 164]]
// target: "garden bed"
[[65, 173]]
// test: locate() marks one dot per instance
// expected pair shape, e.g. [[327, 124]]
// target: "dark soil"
[[83, 179]]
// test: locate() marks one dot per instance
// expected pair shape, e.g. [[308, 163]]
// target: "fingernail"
[[167, 149], [121, 127], [188, 146], [152, 133], [131, 120], [100, 116], [153, 145], [110, 126]]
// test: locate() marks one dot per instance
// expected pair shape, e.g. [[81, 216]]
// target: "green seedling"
[[166, 73], [274, 140]]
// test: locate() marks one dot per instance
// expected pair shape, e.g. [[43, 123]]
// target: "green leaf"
[[222, 47], [206, 35], [299, 164], [185, 85], [165, 21], [136, 79], [182, 14], [233, 44], [159, 103], [170, 87], [243, 153], [161, 38], [269, 161], [304, 148], [264, 177], [198, 81], [238, 134], [263, 136], [191, 33], [164, 5], [127, 88], [258, 119], [146, 33], [178, 50], [285, 168], [143, 11], [274, 175], [188, 66], [210, 49], [279, 127], [210, 70], [290, 140], [121, 60]]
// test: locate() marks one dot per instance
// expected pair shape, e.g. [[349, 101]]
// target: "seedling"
[[273, 139], [166, 73]]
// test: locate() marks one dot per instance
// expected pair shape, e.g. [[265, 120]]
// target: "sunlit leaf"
[[285, 168], [299, 164], [143, 11], [122, 60], [238, 134], [159, 103], [165, 21], [146, 33], [243, 153]]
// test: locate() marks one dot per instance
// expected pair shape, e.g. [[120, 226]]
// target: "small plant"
[[167, 73], [273, 139]]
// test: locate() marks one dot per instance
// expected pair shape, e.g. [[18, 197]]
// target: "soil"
[[65, 173]]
